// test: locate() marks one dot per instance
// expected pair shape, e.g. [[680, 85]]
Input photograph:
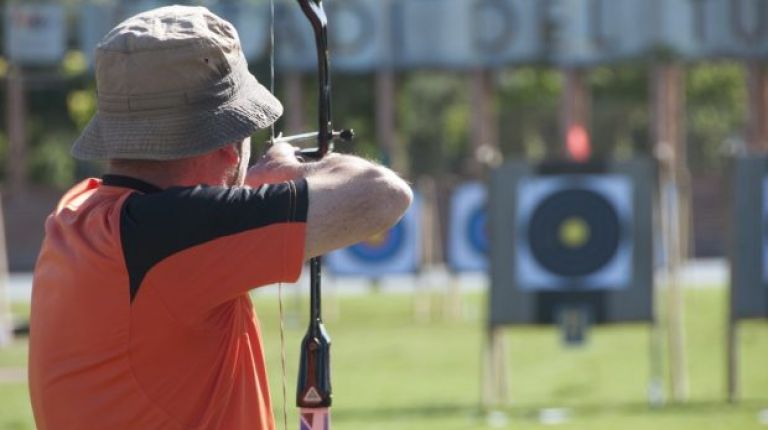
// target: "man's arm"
[[350, 199]]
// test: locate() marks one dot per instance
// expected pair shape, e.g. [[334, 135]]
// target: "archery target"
[[35, 33], [98, 18], [395, 251], [574, 231], [249, 20], [468, 235], [749, 237], [381, 246]]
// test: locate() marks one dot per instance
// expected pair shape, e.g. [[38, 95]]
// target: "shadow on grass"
[[532, 411], [426, 411]]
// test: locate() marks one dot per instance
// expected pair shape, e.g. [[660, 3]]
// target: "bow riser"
[[313, 393]]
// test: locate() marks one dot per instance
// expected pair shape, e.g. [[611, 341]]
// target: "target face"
[[477, 233], [380, 247], [573, 231], [468, 236], [395, 251], [249, 19], [98, 18], [36, 33]]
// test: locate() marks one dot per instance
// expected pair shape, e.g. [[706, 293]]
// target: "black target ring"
[[590, 209]]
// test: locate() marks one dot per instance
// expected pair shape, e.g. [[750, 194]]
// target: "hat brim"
[[181, 133]]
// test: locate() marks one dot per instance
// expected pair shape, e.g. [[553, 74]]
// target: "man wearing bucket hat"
[[140, 312]]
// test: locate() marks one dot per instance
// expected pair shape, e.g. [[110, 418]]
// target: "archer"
[[141, 317]]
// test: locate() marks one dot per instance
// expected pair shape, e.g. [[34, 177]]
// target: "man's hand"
[[279, 164]]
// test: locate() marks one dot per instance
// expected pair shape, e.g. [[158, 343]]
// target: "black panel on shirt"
[[157, 225], [129, 182]]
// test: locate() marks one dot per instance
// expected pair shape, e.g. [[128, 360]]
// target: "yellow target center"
[[574, 232], [377, 239]]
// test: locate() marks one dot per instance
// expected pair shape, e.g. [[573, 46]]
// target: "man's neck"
[[163, 176]]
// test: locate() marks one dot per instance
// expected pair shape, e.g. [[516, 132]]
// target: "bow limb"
[[315, 13], [325, 136]]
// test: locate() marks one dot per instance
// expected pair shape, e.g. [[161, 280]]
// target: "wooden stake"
[[656, 364], [484, 133], [757, 121], [6, 318], [576, 105], [495, 382], [732, 358], [386, 131], [430, 249], [668, 105], [16, 165]]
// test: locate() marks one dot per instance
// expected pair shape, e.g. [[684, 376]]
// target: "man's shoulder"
[[85, 223], [87, 198]]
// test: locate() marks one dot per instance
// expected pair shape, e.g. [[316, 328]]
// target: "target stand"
[[571, 245], [748, 299], [574, 322]]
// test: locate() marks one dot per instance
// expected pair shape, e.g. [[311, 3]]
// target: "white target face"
[[36, 33], [574, 232]]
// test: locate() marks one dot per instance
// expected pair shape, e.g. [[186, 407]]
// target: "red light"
[[577, 143]]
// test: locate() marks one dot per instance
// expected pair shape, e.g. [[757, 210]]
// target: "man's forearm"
[[281, 165]]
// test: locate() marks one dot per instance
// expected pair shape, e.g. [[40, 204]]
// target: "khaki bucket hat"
[[171, 83]]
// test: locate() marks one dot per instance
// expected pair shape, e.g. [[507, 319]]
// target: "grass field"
[[391, 372]]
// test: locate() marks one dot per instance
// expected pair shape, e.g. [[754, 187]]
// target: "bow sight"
[[346, 135]]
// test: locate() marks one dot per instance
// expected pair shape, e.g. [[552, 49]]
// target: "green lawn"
[[393, 373]]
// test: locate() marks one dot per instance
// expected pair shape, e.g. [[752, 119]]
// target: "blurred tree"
[[621, 110], [529, 108], [716, 119], [74, 64], [50, 162], [354, 107], [3, 151], [51, 129], [433, 114], [81, 105]]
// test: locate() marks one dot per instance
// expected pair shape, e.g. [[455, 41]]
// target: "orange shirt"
[[140, 312]]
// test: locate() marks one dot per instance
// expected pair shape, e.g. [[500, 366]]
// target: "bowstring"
[[279, 285], [272, 59], [282, 355]]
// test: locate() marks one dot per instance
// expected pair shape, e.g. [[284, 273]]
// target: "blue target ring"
[[395, 251], [375, 251], [477, 233], [468, 240]]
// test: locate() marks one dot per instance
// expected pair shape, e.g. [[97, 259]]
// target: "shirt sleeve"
[[198, 247]]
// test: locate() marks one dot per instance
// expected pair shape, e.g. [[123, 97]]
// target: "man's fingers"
[[282, 152], [282, 146]]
